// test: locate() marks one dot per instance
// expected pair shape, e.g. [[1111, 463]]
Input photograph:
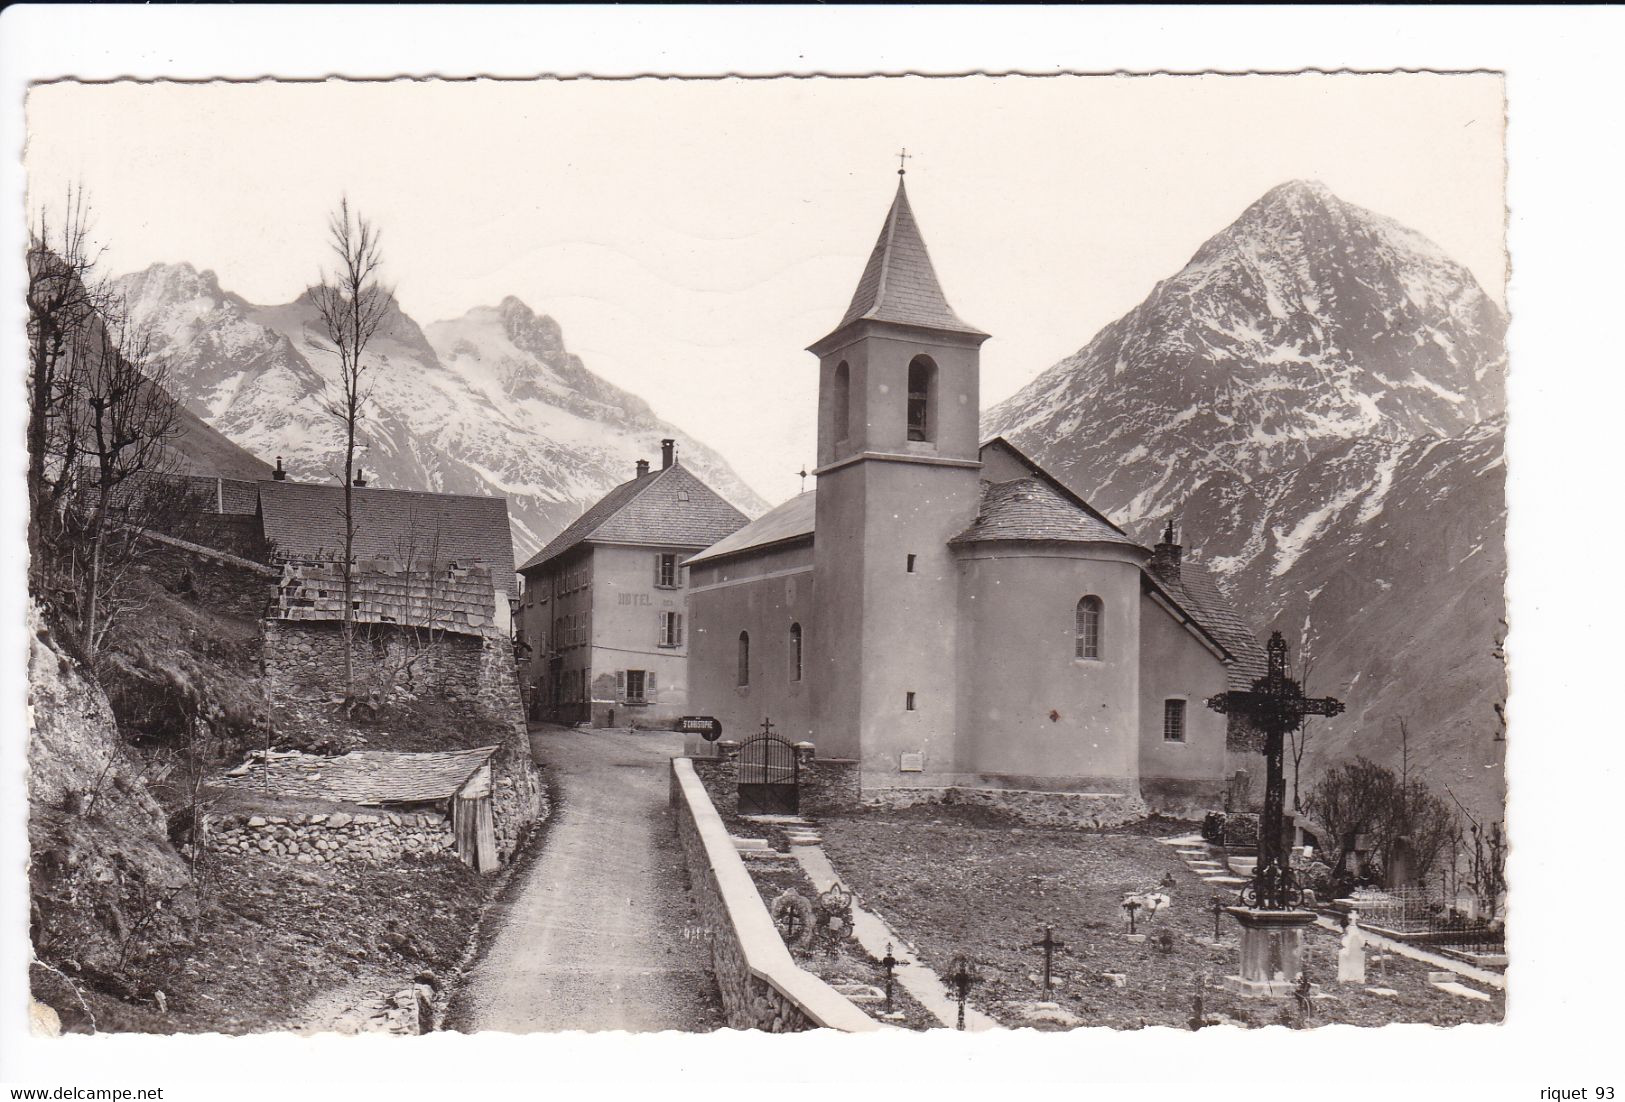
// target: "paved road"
[[594, 936]]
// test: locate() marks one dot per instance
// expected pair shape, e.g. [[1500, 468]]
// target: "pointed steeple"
[[899, 283]]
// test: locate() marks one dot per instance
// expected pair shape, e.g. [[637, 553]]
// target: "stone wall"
[[1069, 810], [340, 836], [828, 785], [1182, 799], [760, 984]]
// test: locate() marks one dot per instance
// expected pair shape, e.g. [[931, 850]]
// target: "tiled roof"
[[1194, 590], [790, 521], [306, 520], [899, 283], [648, 511], [1032, 509], [364, 776], [999, 443]]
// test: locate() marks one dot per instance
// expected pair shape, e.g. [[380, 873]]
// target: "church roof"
[[649, 511], [789, 522], [1192, 588], [306, 520], [899, 284], [1034, 509]]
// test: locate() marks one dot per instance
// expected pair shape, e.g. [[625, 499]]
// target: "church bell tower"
[[898, 477]]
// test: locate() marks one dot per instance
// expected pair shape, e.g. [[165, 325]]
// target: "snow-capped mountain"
[[489, 403], [1306, 323], [1317, 397]]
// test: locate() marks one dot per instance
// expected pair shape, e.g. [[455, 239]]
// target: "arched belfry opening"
[[922, 387]]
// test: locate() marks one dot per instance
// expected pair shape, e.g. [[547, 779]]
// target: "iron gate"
[[769, 776]]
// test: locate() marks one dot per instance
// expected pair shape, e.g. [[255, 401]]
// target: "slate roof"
[[1033, 509], [999, 443], [791, 521], [365, 776], [1194, 590], [648, 512], [306, 520], [899, 284]]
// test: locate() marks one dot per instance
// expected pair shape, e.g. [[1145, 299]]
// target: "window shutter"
[[620, 685], [649, 687], [678, 636]]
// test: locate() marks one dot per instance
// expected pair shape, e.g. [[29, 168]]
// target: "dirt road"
[[599, 934]]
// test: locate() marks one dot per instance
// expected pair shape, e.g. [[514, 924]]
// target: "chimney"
[[279, 474], [1165, 555], [643, 467], [360, 479], [668, 453]]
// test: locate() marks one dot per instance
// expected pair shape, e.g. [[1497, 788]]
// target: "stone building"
[[947, 616], [603, 623]]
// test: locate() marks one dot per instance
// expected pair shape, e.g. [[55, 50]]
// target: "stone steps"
[[1228, 881]]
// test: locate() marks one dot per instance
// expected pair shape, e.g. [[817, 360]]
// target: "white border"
[[1565, 238]]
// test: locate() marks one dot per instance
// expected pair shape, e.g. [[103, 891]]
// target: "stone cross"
[[1049, 944], [1275, 705]]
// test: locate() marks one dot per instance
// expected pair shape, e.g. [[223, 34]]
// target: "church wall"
[[763, 594], [1033, 714], [1179, 778], [836, 645], [910, 620]]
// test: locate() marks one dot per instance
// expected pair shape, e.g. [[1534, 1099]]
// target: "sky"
[[693, 237]]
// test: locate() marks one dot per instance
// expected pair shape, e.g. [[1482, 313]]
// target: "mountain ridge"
[[457, 406]]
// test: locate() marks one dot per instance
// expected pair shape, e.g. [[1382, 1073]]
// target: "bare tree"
[[130, 418], [351, 303], [64, 301]]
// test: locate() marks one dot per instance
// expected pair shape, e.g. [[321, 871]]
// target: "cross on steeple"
[[903, 157], [1275, 705]]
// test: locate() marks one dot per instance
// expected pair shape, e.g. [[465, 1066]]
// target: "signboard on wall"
[[707, 727]]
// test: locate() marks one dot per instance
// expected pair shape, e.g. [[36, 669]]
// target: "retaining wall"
[[322, 839], [761, 986], [1042, 809]]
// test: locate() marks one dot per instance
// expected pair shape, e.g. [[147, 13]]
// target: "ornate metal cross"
[[903, 157], [767, 726], [962, 973], [889, 963], [1049, 944], [1275, 705]]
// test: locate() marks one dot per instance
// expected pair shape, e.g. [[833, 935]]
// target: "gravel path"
[[600, 934]]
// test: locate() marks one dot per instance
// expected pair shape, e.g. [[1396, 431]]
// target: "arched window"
[[922, 378], [744, 658], [842, 401], [1088, 627], [795, 652]]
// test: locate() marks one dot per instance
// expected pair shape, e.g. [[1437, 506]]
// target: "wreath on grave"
[[793, 914]]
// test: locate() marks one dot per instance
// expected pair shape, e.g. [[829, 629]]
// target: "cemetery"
[[955, 881]]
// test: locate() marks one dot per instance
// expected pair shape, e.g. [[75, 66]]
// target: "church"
[[946, 617]]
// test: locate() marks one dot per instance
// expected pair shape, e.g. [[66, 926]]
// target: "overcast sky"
[[693, 237]]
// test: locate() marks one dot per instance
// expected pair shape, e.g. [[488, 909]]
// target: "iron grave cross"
[[1275, 705]]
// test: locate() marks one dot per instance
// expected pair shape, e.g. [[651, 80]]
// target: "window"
[[666, 570], [1088, 627], [671, 629], [1173, 721], [922, 376], [911, 564], [795, 652], [744, 658], [841, 400], [908, 702], [634, 687]]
